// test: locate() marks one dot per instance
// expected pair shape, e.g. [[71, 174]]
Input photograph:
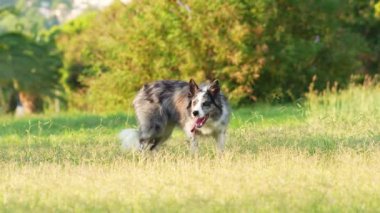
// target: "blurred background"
[[93, 55]]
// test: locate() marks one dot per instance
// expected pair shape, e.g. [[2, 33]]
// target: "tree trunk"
[[12, 102], [2, 101], [31, 103]]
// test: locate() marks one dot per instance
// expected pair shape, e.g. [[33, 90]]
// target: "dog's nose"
[[195, 113]]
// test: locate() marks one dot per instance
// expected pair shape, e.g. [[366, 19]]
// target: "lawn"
[[319, 156]]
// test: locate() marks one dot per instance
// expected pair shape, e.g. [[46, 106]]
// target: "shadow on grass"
[[60, 124]]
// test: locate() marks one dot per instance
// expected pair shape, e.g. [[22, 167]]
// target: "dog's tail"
[[130, 139]]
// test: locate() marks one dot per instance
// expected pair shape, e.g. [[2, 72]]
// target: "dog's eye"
[[206, 104]]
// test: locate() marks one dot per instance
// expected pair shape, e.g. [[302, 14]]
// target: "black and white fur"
[[162, 105]]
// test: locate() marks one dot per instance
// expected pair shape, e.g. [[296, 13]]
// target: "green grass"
[[320, 157]]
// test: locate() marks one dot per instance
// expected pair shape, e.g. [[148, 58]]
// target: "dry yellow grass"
[[324, 158], [271, 180]]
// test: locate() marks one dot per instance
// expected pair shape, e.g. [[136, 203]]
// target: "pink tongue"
[[200, 121]]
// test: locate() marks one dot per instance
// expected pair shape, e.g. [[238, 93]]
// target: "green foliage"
[[306, 39], [29, 63], [365, 21], [27, 17], [29, 66], [263, 49], [160, 40], [73, 47], [77, 66]]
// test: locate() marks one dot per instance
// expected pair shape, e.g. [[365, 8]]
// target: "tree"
[[307, 39], [31, 68], [264, 49], [160, 40], [32, 16]]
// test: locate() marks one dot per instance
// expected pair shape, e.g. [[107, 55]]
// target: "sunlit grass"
[[323, 156], [276, 179]]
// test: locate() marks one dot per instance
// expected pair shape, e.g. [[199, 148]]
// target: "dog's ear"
[[193, 87], [214, 88]]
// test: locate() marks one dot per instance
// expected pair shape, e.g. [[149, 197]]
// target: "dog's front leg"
[[193, 142], [193, 145], [220, 140], [189, 131]]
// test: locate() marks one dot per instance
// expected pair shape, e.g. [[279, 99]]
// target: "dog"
[[162, 105]]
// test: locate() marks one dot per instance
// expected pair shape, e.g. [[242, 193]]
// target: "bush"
[[31, 68], [259, 49], [307, 39]]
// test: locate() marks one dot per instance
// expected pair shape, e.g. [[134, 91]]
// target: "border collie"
[[162, 105]]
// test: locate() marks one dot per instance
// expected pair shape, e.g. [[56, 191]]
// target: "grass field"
[[323, 156]]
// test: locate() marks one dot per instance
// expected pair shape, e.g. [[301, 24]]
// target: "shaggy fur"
[[162, 105]]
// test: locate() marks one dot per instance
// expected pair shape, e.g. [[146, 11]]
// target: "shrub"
[[31, 68], [266, 49]]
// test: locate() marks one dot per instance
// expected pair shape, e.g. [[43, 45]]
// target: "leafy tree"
[[159, 40], [365, 20], [264, 49], [76, 64], [307, 39], [28, 69], [28, 19], [31, 68]]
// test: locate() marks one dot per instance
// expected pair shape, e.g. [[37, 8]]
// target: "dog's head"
[[204, 101]]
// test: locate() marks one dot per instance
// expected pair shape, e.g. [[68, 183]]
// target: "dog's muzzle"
[[199, 122]]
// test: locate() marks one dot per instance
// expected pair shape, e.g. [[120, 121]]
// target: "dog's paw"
[[129, 139]]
